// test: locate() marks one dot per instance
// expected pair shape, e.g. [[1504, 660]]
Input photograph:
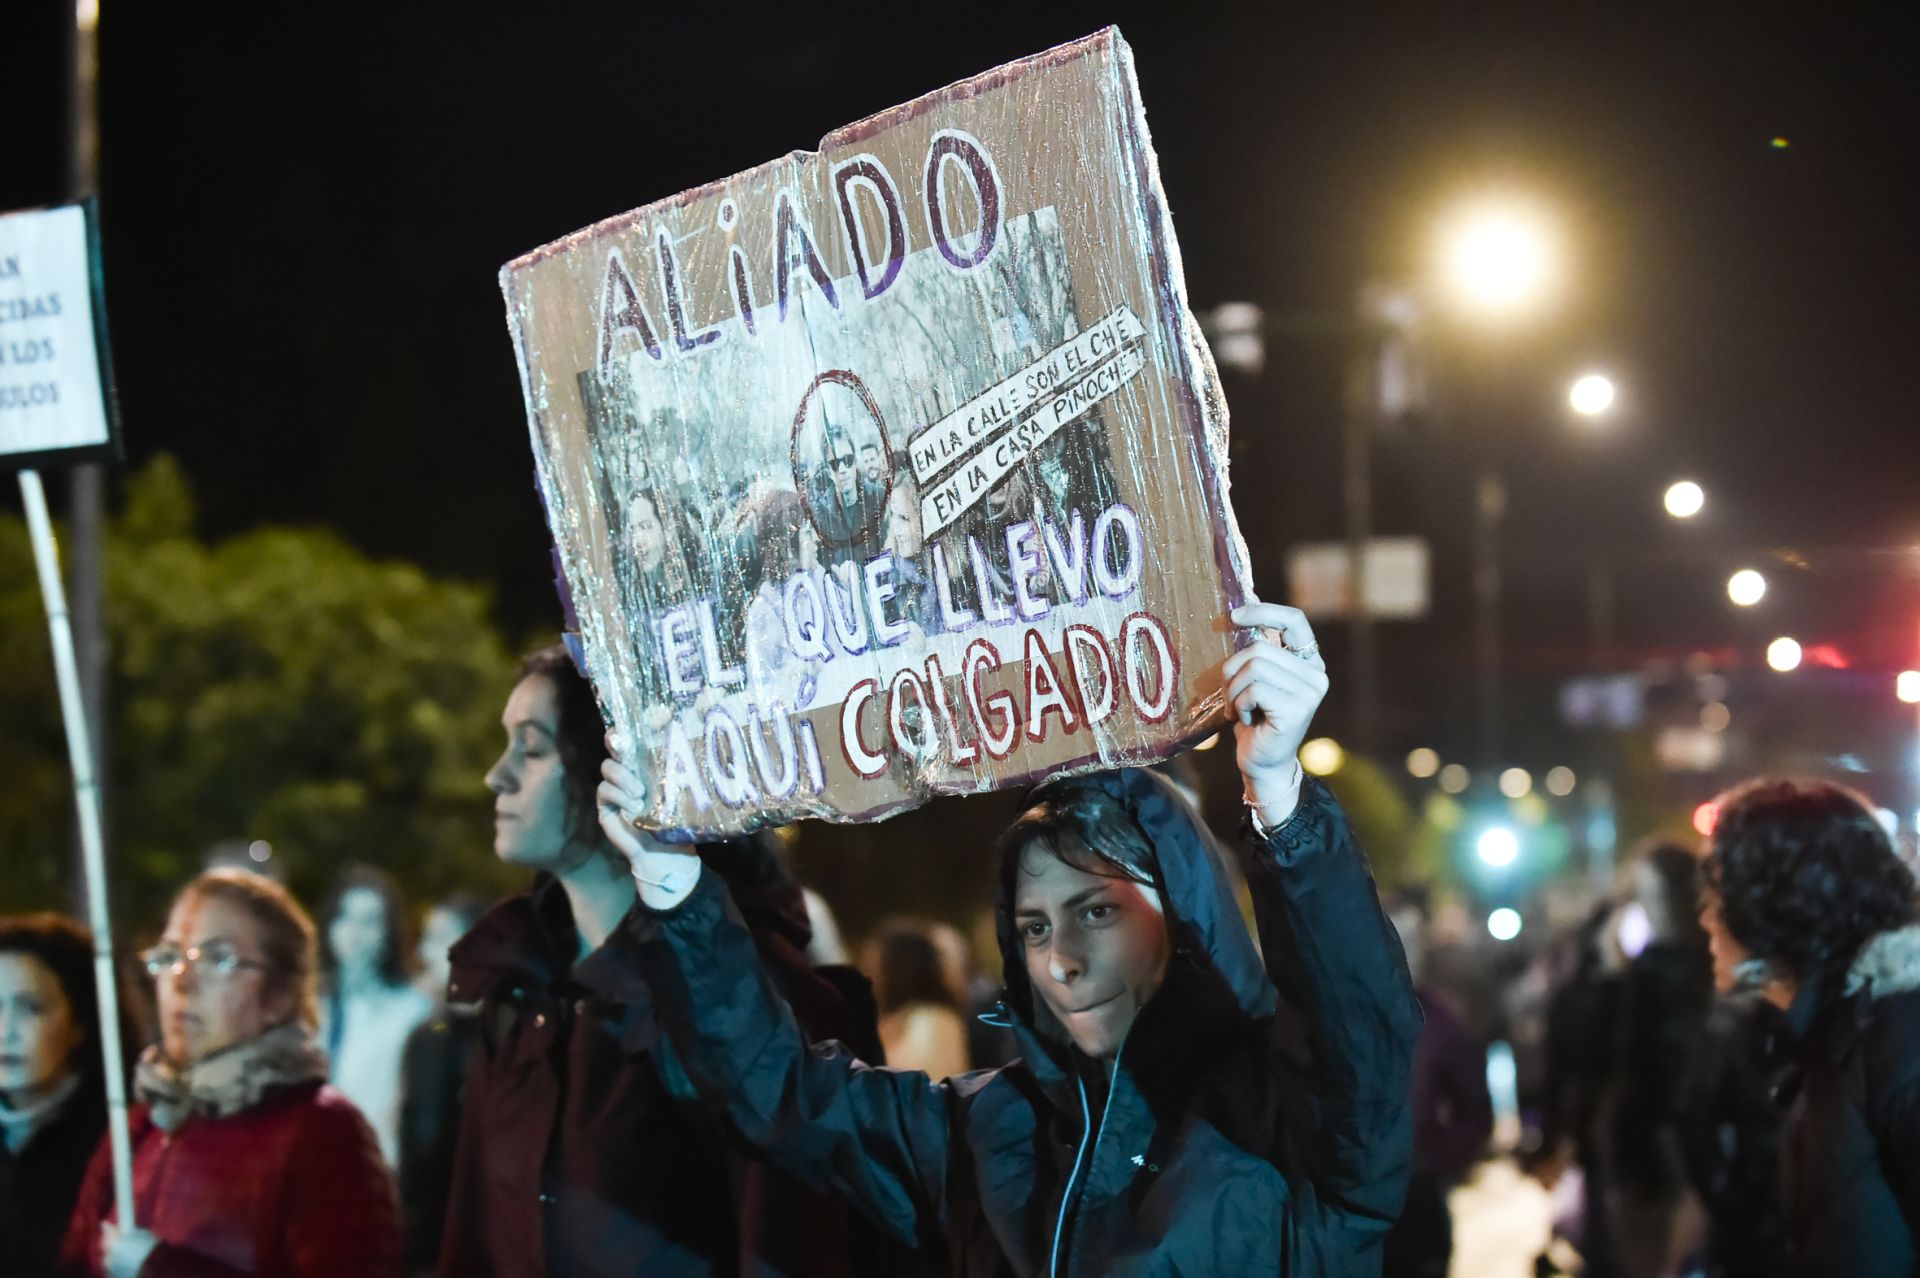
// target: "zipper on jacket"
[[1066, 1199], [1066, 1195]]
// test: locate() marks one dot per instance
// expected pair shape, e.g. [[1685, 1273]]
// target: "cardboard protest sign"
[[892, 469], [53, 386]]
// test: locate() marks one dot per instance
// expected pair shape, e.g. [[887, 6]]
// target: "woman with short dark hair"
[[53, 1104], [1809, 906], [1180, 1106], [244, 1161]]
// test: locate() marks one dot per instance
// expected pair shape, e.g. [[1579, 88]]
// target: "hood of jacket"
[[1888, 964], [1214, 977]]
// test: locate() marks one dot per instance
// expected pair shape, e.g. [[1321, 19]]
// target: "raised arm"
[[877, 1137], [1327, 944]]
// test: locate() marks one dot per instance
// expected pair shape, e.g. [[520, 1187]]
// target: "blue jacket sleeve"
[[1339, 967], [877, 1137]]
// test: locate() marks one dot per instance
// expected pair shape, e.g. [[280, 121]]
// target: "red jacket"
[[293, 1187]]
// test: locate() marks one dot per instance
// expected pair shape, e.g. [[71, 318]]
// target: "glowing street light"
[[1498, 846], [1515, 782], [1454, 778], [1560, 782], [1498, 256], [1423, 763], [1783, 654], [1503, 924], [1746, 587], [1592, 395], [1322, 756], [1685, 499], [1906, 686]]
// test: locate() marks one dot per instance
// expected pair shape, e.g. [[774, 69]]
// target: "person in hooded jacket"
[[1178, 1107], [582, 1151], [1809, 906]]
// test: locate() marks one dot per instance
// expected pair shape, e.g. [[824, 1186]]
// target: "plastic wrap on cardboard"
[[892, 469]]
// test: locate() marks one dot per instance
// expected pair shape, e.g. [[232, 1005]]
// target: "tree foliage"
[[278, 686]]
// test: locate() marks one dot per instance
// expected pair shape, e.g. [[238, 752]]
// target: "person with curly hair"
[[1809, 905]]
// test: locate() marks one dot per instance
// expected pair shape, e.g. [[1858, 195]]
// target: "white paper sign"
[[51, 399]]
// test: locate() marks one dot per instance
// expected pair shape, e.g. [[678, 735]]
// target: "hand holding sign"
[[665, 873], [1274, 687]]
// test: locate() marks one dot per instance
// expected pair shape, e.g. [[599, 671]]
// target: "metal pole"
[[86, 799], [1489, 505], [1357, 482], [86, 492], [1600, 596]]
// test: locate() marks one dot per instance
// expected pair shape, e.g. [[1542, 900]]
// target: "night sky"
[[304, 217]]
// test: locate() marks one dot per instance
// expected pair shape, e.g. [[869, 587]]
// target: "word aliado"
[[863, 184]]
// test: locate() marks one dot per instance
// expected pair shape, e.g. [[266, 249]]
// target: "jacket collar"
[[525, 941], [230, 1080], [1888, 964], [1824, 1023], [530, 941]]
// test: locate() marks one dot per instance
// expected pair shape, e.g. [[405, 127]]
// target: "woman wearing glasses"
[[244, 1161]]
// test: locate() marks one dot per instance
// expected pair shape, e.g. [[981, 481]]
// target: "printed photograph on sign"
[[892, 469]]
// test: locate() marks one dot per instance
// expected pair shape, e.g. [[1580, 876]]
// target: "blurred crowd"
[[1716, 1073], [1713, 1073]]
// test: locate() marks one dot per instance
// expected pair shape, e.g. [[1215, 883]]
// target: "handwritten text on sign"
[[996, 431]]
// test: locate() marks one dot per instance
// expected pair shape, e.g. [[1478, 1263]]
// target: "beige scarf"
[[230, 1080]]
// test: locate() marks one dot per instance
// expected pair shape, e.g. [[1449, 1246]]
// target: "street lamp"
[[1783, 654], [1685, 499], [1322, 756], [1746, 587], [1906, 686], [1504, 923], [1592, 395], [1499, 259], [1498, 847], [1497, 256]]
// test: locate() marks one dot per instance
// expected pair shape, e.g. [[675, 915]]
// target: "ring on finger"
[[1305, 650]]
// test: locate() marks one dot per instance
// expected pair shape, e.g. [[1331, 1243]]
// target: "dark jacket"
[[39, 1183], [576, 1156], [1452, 1109], [1240, 1134], [1852, 1142], [1731, 1133], [1657, 1044], [293, 1187], [433, 1071]]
